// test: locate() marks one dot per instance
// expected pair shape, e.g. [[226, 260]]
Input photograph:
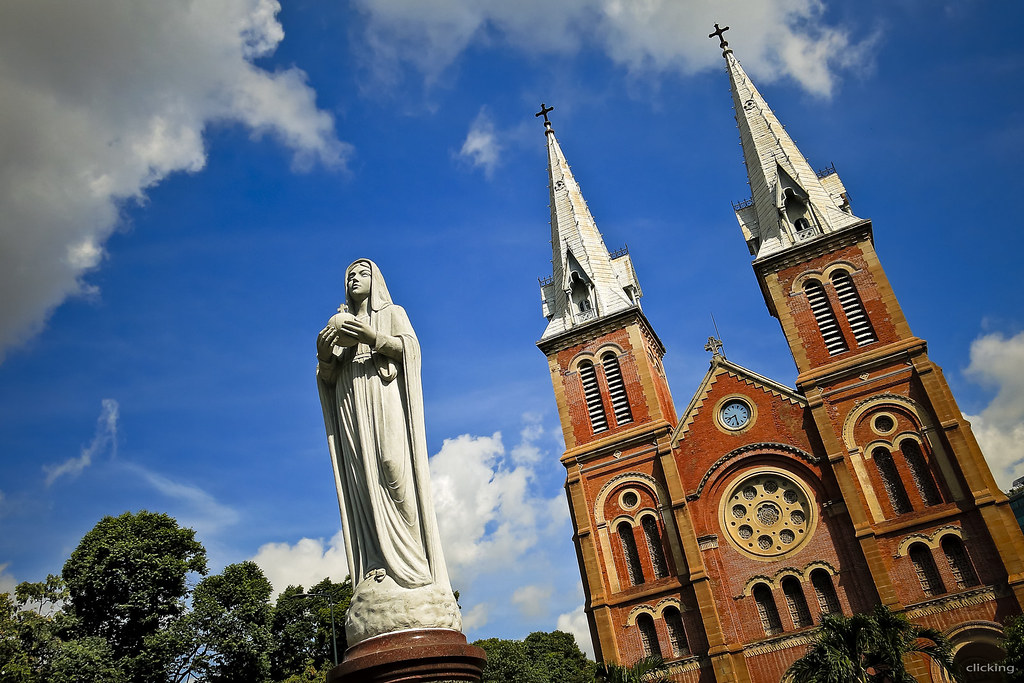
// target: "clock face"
[[735, 414]]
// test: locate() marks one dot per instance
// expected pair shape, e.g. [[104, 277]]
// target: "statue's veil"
[[379, 294]]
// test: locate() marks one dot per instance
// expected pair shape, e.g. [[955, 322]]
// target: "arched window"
[[927, 572], [592, 395], [676, 633], [826, 317], [825, 591], [654, 546], [766, 610], [616, 389], [636, 572], [922, 473], [648, 635], [959, 562], [863, 333], [796, 602], [891, 480]]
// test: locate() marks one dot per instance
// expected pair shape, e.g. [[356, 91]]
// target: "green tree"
[[15, 663], [126, 578], [302, 629], [232, 614], [509, 662], [126, 584], [650, 669], [869, 648], [1013, 644], [558, 657]]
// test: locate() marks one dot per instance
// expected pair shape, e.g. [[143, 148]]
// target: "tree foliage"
[[1013, 644], [650, 669], [541, 658], [126, 579], [869, 648]]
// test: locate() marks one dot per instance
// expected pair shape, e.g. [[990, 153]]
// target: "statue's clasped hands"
[[347, 332]]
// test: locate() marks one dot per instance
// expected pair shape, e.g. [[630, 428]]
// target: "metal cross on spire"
[[544, 109], [720, 33]]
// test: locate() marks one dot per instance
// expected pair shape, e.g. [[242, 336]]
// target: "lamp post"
[[334, 635]]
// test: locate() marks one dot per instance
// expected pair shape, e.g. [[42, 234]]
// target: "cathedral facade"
[[719, 537]]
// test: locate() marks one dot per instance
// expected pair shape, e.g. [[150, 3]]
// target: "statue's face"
[[358, 281]]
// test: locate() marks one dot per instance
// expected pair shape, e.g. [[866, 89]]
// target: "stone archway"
[[978, 652]]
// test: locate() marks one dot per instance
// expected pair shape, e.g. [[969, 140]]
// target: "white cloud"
[[526, 451], [304, 564], [199, 510], [533, 600], [103, 440], [487, 514], [998, 361], [476, 616], [575, 622], [101, 101], [7, 580], [773, 37], [481, 148]]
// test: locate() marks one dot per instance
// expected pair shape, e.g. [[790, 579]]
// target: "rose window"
[[768, 514]]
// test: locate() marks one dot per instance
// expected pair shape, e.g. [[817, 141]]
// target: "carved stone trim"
[[709, 542], [736, 452], [778, 643], [947, 603]]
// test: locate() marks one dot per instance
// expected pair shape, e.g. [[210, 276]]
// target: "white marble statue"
[[369, 381]]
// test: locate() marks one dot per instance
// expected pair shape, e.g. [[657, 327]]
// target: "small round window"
[[883, 423], [629, 499]]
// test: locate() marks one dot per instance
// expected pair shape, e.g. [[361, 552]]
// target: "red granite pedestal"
[[415, 656]]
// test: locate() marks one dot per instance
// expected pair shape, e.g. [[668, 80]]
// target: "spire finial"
[[714, 347], [544, 109], [719, 32]]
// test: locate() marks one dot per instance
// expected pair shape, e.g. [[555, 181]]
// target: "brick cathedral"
[[719, 538]]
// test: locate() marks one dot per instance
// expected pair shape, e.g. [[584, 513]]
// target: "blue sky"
[[183, 187]]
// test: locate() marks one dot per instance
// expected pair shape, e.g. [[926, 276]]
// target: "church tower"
[[936, 532], [616, 413]]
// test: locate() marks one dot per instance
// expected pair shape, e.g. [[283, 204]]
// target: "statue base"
[[414, 656]]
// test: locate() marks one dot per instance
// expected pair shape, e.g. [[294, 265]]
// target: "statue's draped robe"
[[373, 411]]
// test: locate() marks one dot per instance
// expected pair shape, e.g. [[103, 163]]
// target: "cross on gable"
[[714, 346]]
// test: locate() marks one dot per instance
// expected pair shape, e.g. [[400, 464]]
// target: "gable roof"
[[721, 366]]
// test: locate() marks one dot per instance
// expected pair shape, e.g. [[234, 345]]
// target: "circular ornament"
[[767, 514]]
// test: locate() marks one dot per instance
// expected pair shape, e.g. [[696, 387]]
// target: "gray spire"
[[789, 203], [587, 283]]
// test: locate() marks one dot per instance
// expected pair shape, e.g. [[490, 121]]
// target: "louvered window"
[[592, 395], [922, 473], [826, 317], [796, 602], [654, 546], [828, 601], [616, 389], [648, 635], [891, 480], [927, 572], [633, 567], [676, 633], [959, 562], [863, 333]]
